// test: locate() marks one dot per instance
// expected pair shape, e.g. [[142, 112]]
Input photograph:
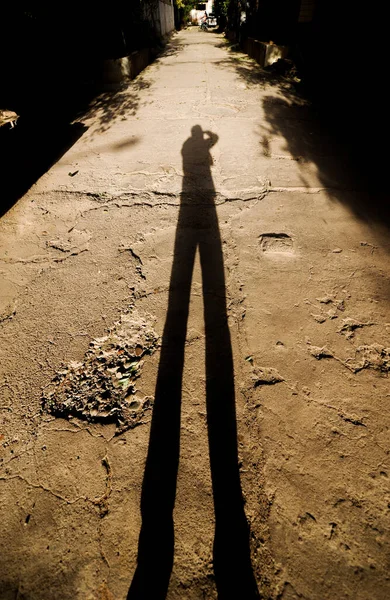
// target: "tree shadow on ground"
[[116, 104], [173, 48], [124, 100], [51, 122], [28, 151], [325, 133], [284, 78], [51, 118], [345, 162], [197, 231], [48, 128]]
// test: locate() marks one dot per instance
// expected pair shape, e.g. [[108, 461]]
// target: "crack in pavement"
[[100, 502], [42, 259]]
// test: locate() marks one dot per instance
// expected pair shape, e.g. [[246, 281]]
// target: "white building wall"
[[197, 15]]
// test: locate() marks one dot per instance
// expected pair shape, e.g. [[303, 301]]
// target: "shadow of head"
[[198, 138], [197, 159]]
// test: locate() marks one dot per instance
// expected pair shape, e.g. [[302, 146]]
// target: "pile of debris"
[[102, 388]]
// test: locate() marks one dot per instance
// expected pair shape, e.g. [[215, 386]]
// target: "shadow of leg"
[[197, 227], [156, 542], [232, 564]]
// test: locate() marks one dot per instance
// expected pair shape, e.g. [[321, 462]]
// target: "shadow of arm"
[[213, 138]]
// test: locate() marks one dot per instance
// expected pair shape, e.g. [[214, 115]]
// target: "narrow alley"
[[194, 350]]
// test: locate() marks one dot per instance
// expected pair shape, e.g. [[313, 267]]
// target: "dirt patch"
[[265, 376], [349, 327], [276, 242], [102, 388], [373, 356]]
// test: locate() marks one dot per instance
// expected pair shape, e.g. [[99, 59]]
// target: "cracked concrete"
[[306, 281]]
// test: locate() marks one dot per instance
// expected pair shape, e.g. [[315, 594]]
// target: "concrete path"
[[200, 287]]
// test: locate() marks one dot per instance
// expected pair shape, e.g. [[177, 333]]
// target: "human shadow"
[[197, 229]]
